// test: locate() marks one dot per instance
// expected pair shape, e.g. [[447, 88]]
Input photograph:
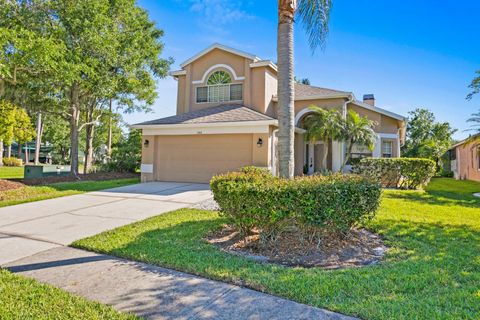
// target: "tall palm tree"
[[357, 130], [323, 125], [315, 16], [475, 120]]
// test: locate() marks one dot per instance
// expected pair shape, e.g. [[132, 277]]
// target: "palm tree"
[[323, 125], [315, 16], [357, 130], [475, 119]]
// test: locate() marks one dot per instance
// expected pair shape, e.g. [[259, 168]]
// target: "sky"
[[410, 54]]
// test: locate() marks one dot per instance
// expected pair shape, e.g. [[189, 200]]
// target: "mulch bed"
[[99, 176], [359, 248], [10, 185]]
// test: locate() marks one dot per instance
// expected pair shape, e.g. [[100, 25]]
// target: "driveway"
[[30, 228]]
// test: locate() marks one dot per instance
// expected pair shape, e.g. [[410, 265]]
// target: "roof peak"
[[220, 47]]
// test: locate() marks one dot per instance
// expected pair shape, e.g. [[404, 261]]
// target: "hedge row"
[[254, 198], [404, 173]]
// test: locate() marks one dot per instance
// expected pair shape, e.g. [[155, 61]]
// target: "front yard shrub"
[[12, 162], [319, 204], [403, 173]]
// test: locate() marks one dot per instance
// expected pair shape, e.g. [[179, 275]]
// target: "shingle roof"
[[223, 113], [303, 91]]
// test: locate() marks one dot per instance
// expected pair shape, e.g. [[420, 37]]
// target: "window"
[[202, 94], [359, 152], [219, 89], [387, 149]]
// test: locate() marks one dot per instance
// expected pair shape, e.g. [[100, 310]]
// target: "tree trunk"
[[9, 151], [348, 155], [89, 130], [285, 88], [74, 117], [1, 153], [38, 139], [109, 138], [26, 153]]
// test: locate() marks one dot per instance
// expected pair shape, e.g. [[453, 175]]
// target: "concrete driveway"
[[29, 228]]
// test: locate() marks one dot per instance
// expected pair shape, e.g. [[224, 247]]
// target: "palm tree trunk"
[[325, 155], [348, 155], [9, 151], [285, 89]]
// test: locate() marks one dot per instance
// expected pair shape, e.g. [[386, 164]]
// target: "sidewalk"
[[156, 293]]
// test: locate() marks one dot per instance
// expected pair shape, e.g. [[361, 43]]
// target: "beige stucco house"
[[465, 159], [227, 118]]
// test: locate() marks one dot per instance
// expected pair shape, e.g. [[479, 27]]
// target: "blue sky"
[[408, 53]]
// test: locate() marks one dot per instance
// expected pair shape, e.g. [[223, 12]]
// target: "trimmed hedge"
[[403, 173], [12, 162], [323, 204]]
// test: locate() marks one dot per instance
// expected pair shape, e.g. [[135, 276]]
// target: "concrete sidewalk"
[[156, 293]]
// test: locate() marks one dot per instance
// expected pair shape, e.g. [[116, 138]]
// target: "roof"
[[221, 47], [223, 113], [469, 139], [379, 110], [306, 91]]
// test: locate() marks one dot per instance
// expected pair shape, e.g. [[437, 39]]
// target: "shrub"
[[126, 155], [404, 173], [328, 204], [12, 162]]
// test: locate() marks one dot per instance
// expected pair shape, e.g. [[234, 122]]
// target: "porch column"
[[338, 155], [311, 158]]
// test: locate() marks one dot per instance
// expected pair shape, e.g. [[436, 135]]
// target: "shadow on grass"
[[427, 266]]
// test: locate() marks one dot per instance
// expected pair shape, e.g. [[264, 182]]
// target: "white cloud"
[[215, 14]]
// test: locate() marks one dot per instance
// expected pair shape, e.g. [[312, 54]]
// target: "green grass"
[[23, 298], [432, 270], [11, 172], [36, 193]]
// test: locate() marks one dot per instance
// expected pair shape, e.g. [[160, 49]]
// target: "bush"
[[126, 155], [403, 173], [12, 162], [325, 204]]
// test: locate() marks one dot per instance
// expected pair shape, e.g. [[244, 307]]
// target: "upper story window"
[[219, 88]]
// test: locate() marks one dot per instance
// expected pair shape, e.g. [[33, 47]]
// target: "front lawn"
[[432, 270], [11, 172], [36, 193], [23, 298]]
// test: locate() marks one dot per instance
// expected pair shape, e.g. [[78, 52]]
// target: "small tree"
[[323, 125], [23, 129], [7, 123], [357, 130]]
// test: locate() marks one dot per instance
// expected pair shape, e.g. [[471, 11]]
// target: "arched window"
[[219, 88]]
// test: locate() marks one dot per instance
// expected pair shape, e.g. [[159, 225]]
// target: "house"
[[227, 118], [465, 159]]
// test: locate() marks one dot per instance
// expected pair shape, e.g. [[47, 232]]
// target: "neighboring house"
[[465, 159], [227, 118]]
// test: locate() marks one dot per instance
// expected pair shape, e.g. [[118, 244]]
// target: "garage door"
[[196, 158]]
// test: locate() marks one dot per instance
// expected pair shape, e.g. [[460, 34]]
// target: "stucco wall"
[[467, 162]]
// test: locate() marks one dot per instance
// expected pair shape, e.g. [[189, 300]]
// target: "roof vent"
[[369, 99]]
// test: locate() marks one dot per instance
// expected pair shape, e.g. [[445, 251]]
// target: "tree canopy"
[[427, 138]]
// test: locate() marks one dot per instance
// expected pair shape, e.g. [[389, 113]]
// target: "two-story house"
[[227, 118]]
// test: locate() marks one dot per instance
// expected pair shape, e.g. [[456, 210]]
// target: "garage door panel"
[[198, 158]]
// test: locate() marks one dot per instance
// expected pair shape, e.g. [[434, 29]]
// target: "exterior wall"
[[467, 162], [181, 106], [299, 150], [196, 158], [148, 159], [322, 103]]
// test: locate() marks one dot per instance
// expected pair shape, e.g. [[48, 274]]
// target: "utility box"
[[31, 172], [35, 172]]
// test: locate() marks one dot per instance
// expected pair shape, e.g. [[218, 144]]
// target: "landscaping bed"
[[431, 270], [98, 176], [359, 248], [10, 185]]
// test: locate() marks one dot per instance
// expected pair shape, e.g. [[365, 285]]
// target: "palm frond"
[[315, 15]]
